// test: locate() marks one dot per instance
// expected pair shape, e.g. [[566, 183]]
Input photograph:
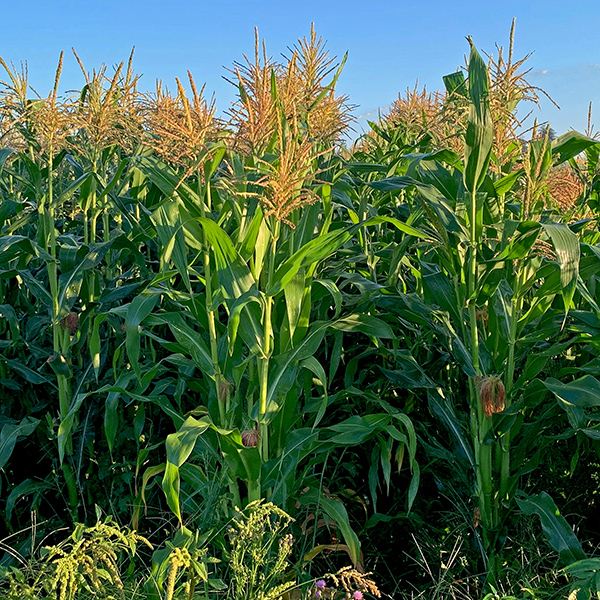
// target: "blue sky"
[[391, 44]]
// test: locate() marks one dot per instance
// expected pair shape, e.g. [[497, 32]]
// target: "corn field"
[[241, 358]]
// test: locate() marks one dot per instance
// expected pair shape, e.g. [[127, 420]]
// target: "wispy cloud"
[[575, 70], [381, 110]]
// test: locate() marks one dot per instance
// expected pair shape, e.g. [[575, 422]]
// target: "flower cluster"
[[347, 583]]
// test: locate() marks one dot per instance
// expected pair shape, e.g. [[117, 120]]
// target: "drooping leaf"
[[9, 435], [570, 144], [25, 488], [584, 392], [367, 324], [179, 446], [336, 511], [557, 530], [566, 246], [29, 374]]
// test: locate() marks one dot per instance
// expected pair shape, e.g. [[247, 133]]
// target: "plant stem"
[[472, 284], [63, 395], [57, 330], [483, 451], [205, 202], [516, 308], [267, 347]]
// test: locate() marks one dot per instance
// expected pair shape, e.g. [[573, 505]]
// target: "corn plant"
[[183, 265], [263, 273], [197, 313], [499, 262]]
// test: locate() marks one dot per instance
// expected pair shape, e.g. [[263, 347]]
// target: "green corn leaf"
[[393, 184], [437, 207], [111, 416], [592, 154], [59, 364], [36, 288], [299, 443], [71, 280], [431, 172], [412, 436], [169, 227], [66, 424], [540, 153], [409, 374], [442, 408], [283, 363], [29, 374], [108, 295], [248, 244], [294, 293], [362, 323], [244, 462], [137, 311], [4, 156], [190, 341], [568, 253], [253, 336], [336, 295], [439, 290], [13, 246], [336, 511], [557, 530], [571, 144], [385, 460], [29, 487], [8, 209], [179, 446], [159, 399], [313, 365], [584, 392], [506, 183], [234, 275], [8, 312], [148, 473], [9, 435], [353, 430], [116, 180], [70, 190], [413, 488], [522, 242], [404, 227], [456, 84], [311, 253], [323, 246], [168, 181], [537, 361], [479, 137]]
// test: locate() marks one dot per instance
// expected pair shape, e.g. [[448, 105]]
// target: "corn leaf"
[[557, 530], [480, 130], [9, 435]]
